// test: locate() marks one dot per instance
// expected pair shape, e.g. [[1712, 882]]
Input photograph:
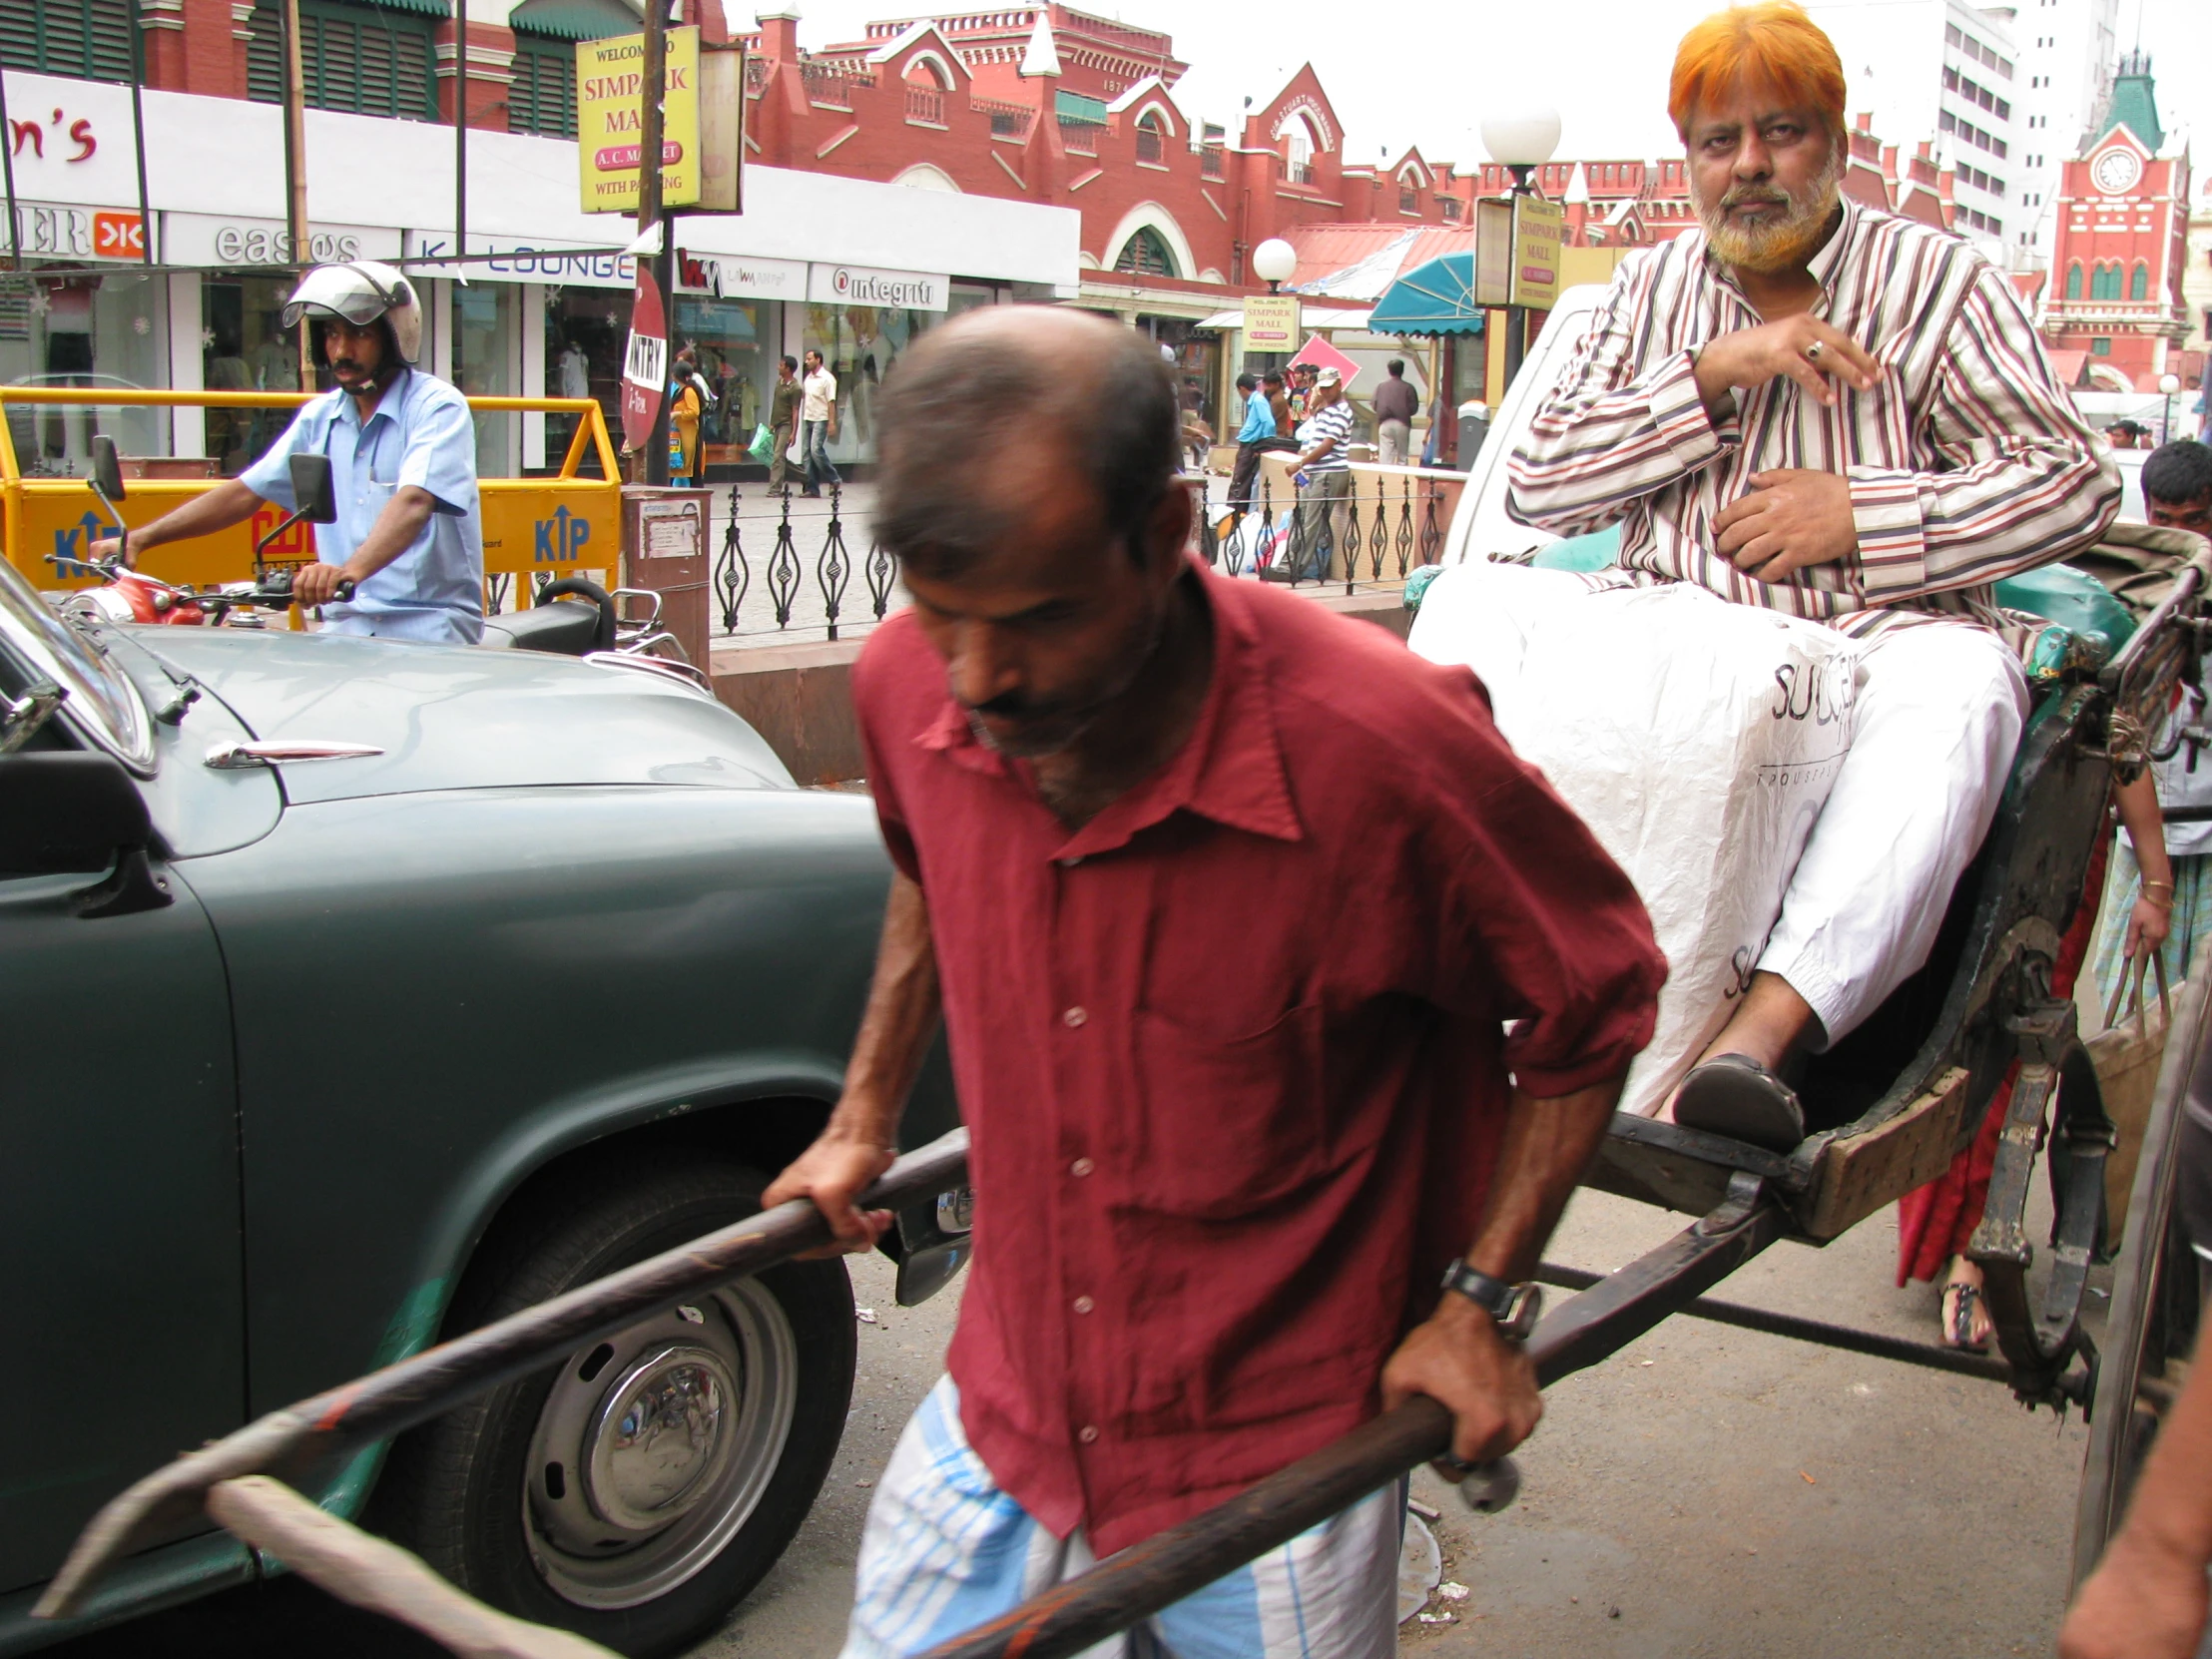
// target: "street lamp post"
[[1521, 138], [2168, 385]]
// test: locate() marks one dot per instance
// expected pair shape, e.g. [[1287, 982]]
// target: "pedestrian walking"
[[818, 421], [1395, 404], [1278, 392], [1223, 899], [1323, 478], [784, 425], [683, 414], [1258, 429]]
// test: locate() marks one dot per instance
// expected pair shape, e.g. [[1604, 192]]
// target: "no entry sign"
[[644, 364]]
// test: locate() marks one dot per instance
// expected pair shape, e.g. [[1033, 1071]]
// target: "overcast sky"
[[1401, 74]]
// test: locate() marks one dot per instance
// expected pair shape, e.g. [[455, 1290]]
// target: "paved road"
[[1708, 1493]]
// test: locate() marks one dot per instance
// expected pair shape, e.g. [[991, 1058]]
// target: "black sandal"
[[1957, 1316], [1736, 1096]]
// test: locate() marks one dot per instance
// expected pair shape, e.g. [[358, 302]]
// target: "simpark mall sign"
[[702, 115]]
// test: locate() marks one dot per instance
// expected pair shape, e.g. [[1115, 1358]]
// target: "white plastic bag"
[[1697, 738]]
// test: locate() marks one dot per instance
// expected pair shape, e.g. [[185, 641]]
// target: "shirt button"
[[1087, 1433], [1084, 1305], [1074, 1017], [1082, 1166], [1070, 863]]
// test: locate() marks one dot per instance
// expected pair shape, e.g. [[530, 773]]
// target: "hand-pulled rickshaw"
[[1891, 1106]]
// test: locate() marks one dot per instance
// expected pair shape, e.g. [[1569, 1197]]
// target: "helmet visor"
[[336, 291]]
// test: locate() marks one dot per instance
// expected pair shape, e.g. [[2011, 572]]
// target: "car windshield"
[[38, 645]]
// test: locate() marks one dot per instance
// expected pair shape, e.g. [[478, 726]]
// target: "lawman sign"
[[852, 284]]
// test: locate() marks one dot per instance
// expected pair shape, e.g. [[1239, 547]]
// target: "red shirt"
[[1232, 1055]]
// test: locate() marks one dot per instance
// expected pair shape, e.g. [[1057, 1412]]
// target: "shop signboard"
[[610, 113], [721, 128], [645, 363], [734, 276], [1270, 321], [228, 243], [48, 231], [1538, 228], [1493, 250], [854, 284], [516, 260]]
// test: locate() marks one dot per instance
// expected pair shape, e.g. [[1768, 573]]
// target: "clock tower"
[[2112, 304]]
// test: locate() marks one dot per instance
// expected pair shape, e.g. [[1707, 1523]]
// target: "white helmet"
[[360, 292]]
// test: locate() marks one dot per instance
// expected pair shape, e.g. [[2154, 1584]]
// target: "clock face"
[[2116, 171]]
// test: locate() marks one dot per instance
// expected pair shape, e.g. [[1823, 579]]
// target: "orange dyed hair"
[[1772, 41]]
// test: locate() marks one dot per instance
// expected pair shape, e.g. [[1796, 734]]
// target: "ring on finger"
[[1813, 351]]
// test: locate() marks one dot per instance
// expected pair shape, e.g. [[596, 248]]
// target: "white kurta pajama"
[[1967, 462]]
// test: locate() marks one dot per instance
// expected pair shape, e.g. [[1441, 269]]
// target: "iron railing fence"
[[810, 564], [1379, 529]]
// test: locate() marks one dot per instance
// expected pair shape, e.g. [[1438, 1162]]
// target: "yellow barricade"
[[561, 524]]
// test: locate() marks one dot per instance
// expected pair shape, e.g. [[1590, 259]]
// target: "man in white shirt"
[[817, 421]]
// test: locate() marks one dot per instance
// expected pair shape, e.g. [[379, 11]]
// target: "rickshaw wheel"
[[2152, 1323]]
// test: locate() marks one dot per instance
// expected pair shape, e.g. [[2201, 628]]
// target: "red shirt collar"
[[1230, 770]]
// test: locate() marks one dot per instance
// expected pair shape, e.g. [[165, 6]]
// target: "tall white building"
[[1951, 73], [2067, 52]]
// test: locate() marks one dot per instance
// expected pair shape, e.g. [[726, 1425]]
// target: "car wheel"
[[637, 1492]]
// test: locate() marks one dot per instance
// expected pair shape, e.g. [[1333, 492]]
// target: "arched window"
[[2073, 281], [2138, 285], [1146, 254], [1152, 140], [2104, 284]]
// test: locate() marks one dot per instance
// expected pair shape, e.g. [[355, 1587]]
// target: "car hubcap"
[[653, 1449]]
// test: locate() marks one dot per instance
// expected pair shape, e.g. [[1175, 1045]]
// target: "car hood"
[[462, 717]]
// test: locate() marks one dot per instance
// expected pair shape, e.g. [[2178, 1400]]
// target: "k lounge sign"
[[852, 284]]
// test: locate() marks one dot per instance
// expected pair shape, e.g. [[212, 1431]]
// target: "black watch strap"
[[1513, 1308]]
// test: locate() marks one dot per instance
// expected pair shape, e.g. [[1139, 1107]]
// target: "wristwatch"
[[1512, 1307]]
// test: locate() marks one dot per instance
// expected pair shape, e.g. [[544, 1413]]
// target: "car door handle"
[[239, 757]]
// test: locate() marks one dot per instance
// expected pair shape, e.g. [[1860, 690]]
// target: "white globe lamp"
[[1521, 137], [1275, 262], [2168, 385]]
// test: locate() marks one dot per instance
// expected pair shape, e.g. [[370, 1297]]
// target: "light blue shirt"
[[420, 434], [1259, 420]]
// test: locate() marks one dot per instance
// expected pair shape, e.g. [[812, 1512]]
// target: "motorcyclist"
[[403, 452]]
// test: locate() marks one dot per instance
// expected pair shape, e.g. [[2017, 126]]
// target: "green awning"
[[575, 19], [1432, 299], [1073, 106], [426, 8]]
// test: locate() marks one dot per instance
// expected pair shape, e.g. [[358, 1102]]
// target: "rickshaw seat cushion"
[[1599, 550], [2073, 599]]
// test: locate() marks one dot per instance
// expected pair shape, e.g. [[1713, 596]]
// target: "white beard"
[[1782, 243]]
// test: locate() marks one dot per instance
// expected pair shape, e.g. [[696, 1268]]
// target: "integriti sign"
[[852, 284]]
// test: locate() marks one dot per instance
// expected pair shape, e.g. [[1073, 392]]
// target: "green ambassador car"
[[355, 993]]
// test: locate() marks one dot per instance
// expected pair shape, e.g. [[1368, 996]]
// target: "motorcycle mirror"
[[106, 469], [312, 489]]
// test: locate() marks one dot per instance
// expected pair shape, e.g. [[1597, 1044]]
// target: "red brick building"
[[2113, 309]]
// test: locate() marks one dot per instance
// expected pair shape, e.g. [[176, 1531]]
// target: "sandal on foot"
[[1736, 1096], [1957, 1316]]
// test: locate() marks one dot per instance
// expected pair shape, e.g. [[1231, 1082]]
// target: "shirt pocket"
[[1230, 1124]]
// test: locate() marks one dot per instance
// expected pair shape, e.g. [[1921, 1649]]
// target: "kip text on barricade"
[[561, 524]]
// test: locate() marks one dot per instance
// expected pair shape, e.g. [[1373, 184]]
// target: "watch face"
[[2116, 170]]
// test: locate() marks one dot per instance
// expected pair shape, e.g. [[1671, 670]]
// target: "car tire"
[[557, 1501]]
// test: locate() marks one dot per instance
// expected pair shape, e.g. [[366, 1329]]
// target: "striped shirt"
[[1967, 462], [1331, 422]]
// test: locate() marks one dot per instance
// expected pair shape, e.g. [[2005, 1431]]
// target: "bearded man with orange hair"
[[1820, 408]]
